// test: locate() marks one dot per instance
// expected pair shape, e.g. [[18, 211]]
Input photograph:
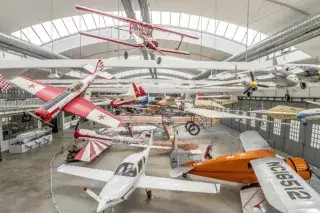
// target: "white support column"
[[1, 136]]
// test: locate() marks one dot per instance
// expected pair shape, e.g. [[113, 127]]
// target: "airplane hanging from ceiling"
[[130, 175], [68, 100], [282, 182], [142, 34]]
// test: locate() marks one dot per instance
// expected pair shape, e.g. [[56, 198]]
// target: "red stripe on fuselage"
[[120, 104]]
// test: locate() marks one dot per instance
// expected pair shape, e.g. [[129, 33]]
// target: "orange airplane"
[[282, 183]]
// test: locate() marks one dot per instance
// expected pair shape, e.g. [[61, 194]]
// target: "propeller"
[[253, 85], [38, 118]]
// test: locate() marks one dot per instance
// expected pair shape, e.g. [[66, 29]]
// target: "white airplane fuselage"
[[50, 109], [291, 80], [124, 181], [309, 114]]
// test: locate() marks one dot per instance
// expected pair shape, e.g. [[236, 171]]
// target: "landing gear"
[[304, 123], [184, 175], [126, 55], [303, 85], [149, 194], [261, 123], [159, 60], [188, 124], [287, 97], [249, 94], [194, 129]]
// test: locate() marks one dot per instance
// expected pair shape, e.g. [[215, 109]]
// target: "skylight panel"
[[89, 21], [68, 21], [108, 21], [184, 20], [203, 24], [99, 21], [30, 34], [175, 17], [221, 29], [165, 18], [241, 31], [138, 15], [212, 26], [51, 30], [251, 35], [60, 27], [78, 20], [194, 21], [41, 33], [231, 30], [20, 35], [155, 17]]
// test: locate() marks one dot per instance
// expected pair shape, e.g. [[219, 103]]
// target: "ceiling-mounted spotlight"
[[54, 73]]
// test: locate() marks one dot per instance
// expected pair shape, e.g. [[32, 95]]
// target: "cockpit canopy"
[[126, 169], [75, 87]]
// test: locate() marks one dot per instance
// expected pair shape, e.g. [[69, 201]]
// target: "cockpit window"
[[75, 87], [126, 169]]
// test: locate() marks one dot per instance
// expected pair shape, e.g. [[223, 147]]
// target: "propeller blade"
[[251, 75], [39, 118], [247, 90], [262, 85], [76, 128]]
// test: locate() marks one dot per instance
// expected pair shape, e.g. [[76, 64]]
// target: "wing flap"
[[283, 188], [94, 174], [252, 140], [177, 185], [86, 109], [40, 90]]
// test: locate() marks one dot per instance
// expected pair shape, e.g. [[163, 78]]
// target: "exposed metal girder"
[[162, 74], [114, 71]]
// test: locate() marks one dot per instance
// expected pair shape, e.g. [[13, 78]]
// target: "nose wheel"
[[287, 97], [126, 55]]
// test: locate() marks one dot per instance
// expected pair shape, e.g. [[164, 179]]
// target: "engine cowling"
[[300, 166]]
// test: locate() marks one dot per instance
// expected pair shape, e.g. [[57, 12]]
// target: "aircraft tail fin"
[[92, 194], [141, 92], [99, 67]]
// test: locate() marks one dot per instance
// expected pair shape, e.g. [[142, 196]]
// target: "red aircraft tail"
[[99, 66], [141, 92]]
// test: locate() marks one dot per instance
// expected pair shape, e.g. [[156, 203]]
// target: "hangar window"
[[264, 125], [315, 136], [294, 130], [244, 121], [253, 122], [277, 127], [237, 119]]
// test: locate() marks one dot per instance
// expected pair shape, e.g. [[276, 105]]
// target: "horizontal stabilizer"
[[105, 75]]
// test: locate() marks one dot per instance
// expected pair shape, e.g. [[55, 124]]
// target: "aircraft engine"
[[300, 166]]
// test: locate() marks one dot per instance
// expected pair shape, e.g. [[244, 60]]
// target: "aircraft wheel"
[[188, 124], [303, 85], [194, 129], [159, 60], [248, 94], [287, 97], [126, 55], [261, 123], [184, 175]]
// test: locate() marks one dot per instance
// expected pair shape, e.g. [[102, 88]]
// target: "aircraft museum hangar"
[[160, 106]]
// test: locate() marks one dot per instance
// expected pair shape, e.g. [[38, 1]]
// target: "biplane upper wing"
[[283, 188], [40, 90], [252, 140], [133, 21]]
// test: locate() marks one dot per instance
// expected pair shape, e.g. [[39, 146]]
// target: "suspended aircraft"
[[134, 92], [143, 34], [270, 183], [68, 100], [214, 101], [130, 175]]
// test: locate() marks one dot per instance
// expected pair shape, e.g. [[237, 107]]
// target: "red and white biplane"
[[141, 31], [69, 100]]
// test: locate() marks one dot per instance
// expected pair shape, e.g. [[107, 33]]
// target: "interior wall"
[[293, 138]]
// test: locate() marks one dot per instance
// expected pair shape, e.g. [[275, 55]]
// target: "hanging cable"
[[247, 36]]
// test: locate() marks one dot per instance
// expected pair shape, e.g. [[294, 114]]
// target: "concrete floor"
[[25, 180]]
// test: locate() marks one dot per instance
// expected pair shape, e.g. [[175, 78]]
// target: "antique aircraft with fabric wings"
[[68, 100], [270, 183], [130, 175], [141, 31]]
